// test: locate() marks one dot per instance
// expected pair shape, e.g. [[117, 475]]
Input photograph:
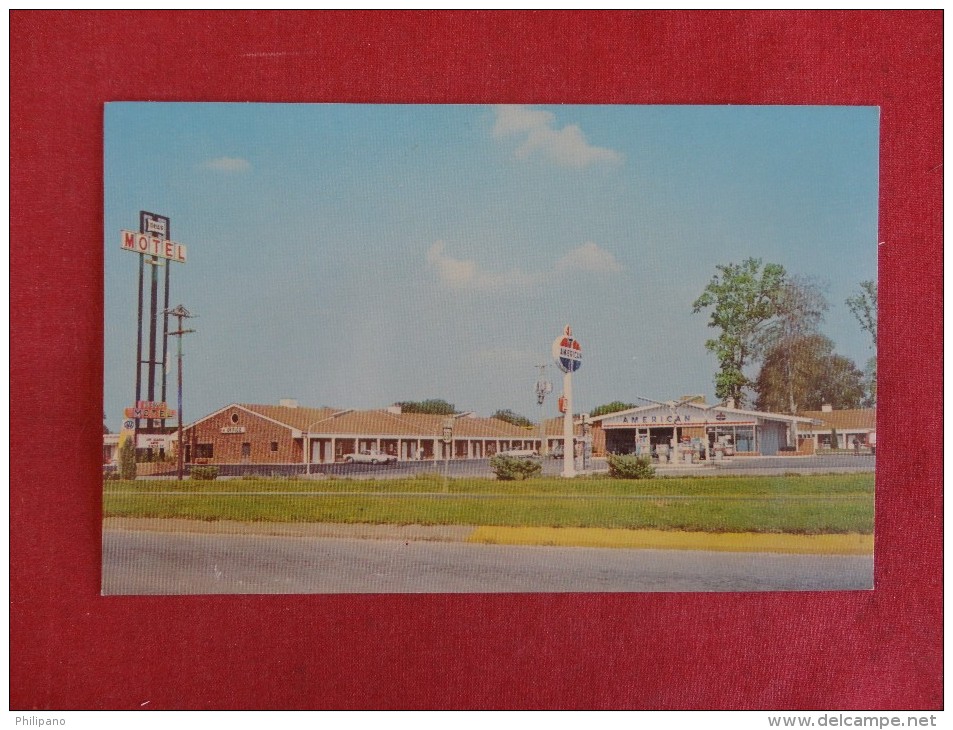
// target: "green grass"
[[836, 503]]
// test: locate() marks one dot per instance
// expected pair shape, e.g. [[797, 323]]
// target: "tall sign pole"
[[153, 245], [568, 356]]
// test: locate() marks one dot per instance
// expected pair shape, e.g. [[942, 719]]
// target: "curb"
[[738, 542]]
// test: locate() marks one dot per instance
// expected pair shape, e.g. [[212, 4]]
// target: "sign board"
[[151, 410], [681, 416], [567, 352], [233, 429], [154, 441], [149, 245], [447, 434], [154, 224]]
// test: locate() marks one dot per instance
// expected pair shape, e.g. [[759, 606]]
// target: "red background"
[[72, 649]]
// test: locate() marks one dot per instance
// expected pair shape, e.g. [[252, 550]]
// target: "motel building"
[[692, 430], [854, 429], [243, 433]]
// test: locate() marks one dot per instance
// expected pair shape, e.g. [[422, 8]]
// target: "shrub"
[[510, 468], [625, 466], [205, 473], [127, 459]]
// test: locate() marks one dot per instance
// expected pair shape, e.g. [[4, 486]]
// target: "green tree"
[[433, 406], [127, 459], [515, 418], [742, 299], [788, 337], [864, 307], [613, 407], [807, 372]]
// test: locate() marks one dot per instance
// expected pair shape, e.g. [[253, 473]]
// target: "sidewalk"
[[849, 544]]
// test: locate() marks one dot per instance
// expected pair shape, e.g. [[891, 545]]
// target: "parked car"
[[520, 453], [370, 457]]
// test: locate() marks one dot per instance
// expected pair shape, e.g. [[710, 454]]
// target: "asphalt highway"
[[139, 562]]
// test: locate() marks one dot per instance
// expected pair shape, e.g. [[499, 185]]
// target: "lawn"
[[815, 504]]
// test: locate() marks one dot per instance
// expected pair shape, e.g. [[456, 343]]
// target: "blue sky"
[[357, 255]]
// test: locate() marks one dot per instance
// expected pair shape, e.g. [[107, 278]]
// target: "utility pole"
[[543, 388], [181, 313]]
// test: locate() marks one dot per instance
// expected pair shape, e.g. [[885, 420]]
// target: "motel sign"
[[149, 245]]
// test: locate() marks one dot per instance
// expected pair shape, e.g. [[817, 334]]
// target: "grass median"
[[811, 505]]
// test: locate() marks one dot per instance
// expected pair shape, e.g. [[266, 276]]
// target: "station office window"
[[203, 451], [274, 445], [246, 448]]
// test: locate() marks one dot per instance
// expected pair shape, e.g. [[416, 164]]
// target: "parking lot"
[[747, 465]]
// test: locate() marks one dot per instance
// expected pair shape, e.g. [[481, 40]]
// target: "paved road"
[[141, 562]]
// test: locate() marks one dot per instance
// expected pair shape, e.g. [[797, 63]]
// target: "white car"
[[520, 453], [370, 457]]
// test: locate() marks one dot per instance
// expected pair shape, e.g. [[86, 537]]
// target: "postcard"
[[357, 348]]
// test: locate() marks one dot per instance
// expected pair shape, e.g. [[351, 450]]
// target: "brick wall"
[[259, 433]]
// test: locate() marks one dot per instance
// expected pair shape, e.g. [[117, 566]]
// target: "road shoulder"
[[847, 544]]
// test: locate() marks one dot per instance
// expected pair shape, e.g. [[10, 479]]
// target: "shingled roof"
[[856, 419], [316, 421]]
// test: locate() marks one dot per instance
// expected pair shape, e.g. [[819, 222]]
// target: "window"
[[246, 448], [234, 418], [203, 451], [274, 445]]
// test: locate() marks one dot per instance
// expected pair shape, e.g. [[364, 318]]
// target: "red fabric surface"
[[72, 649]]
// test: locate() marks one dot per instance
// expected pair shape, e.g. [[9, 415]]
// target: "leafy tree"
[[870, 383], [742, 298], [842, 385], [787, 336], [515, 418], [433, 406], [864, 307], [808, 373], [613, 407]]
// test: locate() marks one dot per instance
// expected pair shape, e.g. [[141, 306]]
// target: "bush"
[[127, 459], [205, 473], [625, 466], [510, 468]]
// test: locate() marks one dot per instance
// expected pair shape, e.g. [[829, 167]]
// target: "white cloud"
[[462, 274], [567, 146], [468, 275], [589, 257], [227, 164]]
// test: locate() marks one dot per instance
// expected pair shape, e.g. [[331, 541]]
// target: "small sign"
[[157, 225], [154, 441], [233, 429], [447, 434]]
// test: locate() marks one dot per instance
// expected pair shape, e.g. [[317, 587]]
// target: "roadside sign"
[[447, 434], [150, 245], [567, 352]]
